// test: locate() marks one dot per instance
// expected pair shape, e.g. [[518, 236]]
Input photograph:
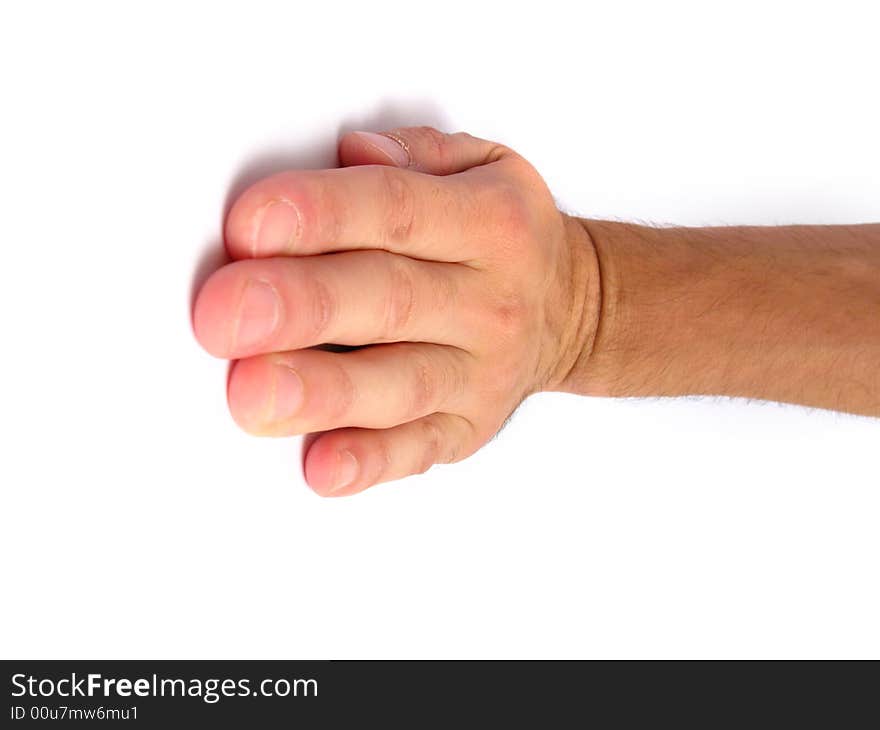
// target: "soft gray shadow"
[[212, 258], [316, 154], [393, 113], [307, 441]]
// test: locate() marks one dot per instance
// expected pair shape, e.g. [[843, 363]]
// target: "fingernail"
[[388, 146], [278, 227], [346, 470], [288, 393], [258, 314]]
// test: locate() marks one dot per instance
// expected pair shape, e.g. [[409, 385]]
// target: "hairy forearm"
[[784, 313]]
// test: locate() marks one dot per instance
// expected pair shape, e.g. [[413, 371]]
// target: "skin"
[[444, 261]]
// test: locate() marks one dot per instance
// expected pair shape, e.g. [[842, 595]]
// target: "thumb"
[[423, 149]]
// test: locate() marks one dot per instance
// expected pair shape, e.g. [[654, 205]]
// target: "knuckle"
[[519, 167], [328, 211], [461, 451], [433, 139], [476, 434], [434, 145], [451, 455], [498, 151], [321, 307], [400, 204], [432, 438], [425, 386], [510, 312], [344, 393], [489, 151], [444, 291], [462, 136], [384, 461], [400, 300], [510, 210]]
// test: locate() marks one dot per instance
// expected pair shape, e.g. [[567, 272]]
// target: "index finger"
[[305, 212]]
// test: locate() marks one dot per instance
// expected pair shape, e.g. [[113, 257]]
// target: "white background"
[[137, 521]]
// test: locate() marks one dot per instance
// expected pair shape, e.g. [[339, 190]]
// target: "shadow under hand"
[[391, 114], [213, 257]]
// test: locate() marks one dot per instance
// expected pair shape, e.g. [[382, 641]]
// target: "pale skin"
[[444, 260]]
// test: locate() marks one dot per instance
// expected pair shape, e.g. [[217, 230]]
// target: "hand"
[[444, 256]]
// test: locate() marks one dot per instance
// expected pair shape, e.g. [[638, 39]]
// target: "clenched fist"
[[442, 259]]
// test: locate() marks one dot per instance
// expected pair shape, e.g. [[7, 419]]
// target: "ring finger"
[[375, 387]]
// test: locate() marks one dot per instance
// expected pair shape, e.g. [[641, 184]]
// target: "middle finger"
[[260, 306]]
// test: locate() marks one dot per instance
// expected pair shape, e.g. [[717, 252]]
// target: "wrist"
[[574, 372]]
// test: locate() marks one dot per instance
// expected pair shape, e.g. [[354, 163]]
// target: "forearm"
[[788, 313]]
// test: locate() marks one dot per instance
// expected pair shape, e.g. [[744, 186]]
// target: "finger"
[[375, 387], [419, 148], [318, 211], [349, 460], [355, 298]]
